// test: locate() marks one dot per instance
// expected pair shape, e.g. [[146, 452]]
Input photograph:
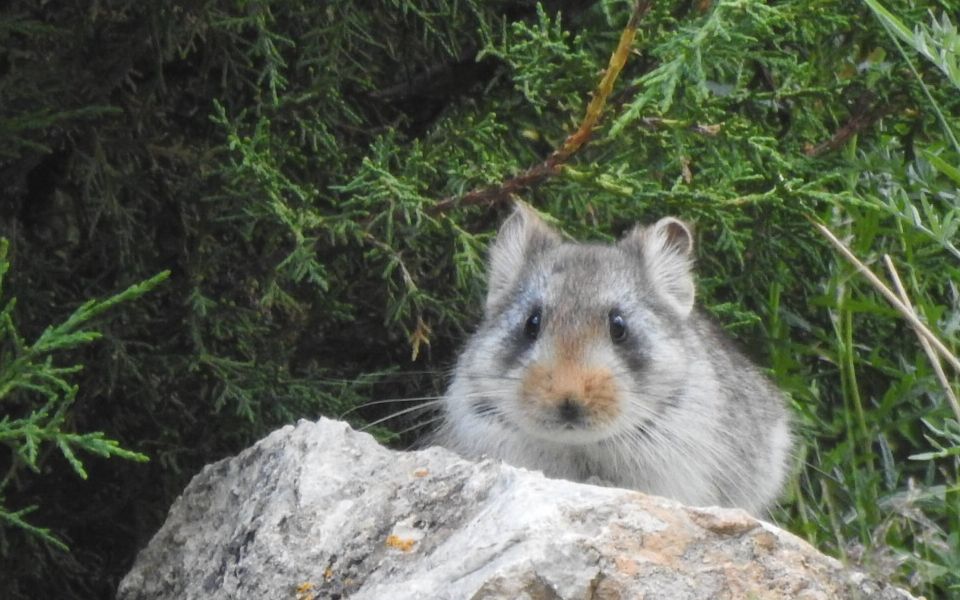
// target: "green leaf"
[[943, 166]]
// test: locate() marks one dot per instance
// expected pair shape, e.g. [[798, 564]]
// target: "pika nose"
[[570, 409]]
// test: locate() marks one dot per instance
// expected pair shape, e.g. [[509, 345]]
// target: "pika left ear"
[[522, 238], [666, 248]]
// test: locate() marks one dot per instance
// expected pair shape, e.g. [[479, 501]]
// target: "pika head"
[[581, 331]]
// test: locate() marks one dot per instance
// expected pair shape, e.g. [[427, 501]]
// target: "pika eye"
[[618, 326], [532, 328]]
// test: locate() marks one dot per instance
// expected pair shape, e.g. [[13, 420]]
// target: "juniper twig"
[[553, 163]]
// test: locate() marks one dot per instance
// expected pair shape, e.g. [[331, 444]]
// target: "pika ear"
[[666, 248], [522, 237]]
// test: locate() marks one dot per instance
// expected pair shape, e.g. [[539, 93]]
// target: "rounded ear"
[[676, 235], [666, 249], [522, 237]]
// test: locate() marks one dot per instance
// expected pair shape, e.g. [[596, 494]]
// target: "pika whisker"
[[420, 407], [431, 399], [420, 425]]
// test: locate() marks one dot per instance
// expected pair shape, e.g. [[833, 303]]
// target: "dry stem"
[[903, 309], [551, 166], [931, 354]]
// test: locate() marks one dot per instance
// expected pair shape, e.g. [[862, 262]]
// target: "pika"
[[592, 363]]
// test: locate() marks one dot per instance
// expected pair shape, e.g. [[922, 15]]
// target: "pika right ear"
[[666, 248], [522, 237]]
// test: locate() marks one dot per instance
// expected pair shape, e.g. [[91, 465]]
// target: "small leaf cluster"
[[37, 397]]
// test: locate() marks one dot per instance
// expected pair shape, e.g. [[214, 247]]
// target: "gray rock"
[[320, 511]]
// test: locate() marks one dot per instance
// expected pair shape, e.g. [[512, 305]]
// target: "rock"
[[320, 511]]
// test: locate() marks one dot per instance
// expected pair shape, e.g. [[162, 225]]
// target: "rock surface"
[[320, 511]]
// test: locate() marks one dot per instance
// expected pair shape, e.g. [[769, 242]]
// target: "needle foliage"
[[283, 160]]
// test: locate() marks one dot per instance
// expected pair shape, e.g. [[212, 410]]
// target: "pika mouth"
[[566, 426], [576, 432]]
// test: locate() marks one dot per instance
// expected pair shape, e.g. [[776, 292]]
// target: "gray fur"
[[690, 418]]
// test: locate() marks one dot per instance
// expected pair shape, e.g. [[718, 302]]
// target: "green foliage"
[[283, 161], [546, 62], [32, 385]]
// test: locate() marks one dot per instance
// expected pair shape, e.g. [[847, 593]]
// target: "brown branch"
[[862, 117], [553, 163]]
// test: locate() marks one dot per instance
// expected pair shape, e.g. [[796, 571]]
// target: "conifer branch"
[[576, 140], [862, 117]]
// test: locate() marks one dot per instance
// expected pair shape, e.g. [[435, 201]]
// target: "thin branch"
[[881, 287], [862, 117], [553, 163], [931, 354], [617, 60]]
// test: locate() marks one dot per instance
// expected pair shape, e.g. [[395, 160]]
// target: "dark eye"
[[532, 327], [618, 326]]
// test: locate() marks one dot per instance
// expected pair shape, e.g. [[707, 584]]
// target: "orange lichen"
[[305, 591], [401, 544]]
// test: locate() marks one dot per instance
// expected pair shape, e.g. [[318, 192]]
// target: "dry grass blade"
[[931, 354], [881, 287]]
